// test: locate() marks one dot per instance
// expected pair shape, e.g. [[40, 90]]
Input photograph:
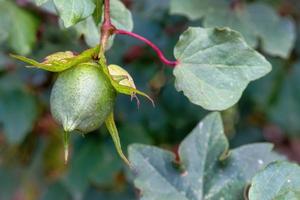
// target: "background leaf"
[[18, 112], [121, 19], [278, 181], [85, 168], [195, 9], [254, 21], [287, 101], [40, 2], [74, 11], [18, 26]]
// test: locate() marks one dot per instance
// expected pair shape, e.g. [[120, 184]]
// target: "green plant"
[[213, 66]]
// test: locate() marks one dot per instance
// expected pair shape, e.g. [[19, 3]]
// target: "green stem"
[[66, 138]]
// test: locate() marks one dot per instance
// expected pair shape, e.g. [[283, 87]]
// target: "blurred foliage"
[[31, 150]]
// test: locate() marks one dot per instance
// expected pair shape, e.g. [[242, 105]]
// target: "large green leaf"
[[206, 171], [255, 21], [18, 26], [278, 181], [121, 19], [215, 66], [74, 11], [18, 112]]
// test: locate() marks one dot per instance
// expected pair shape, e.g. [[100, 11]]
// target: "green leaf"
[[238, 20], [46, 5], [278, 34], [90, 31], [206, 171], [97, 15], [74, 11], [258, 21], [254, 21], [120, 16], [18, 112], [56, 191], [40, 2], [4, 23], [19, 27], [93, 162], [10, 181], [60, 61], [286, 102], [195, 9], [215, 66], [278, 181]]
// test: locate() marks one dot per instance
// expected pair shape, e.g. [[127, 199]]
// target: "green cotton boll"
[[82, 98]]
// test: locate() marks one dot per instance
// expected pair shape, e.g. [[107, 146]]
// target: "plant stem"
[[152, 45], [107, 28]]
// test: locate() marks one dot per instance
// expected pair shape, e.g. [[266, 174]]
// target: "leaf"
[[261, 92], [278, 34], [40, 2], [93, 162], [97, 15], [56, 191], [120, 16], [278, 181], [46, 5], [286, 102], [215, 66], [89, 30], [111, 126], [195, 9], [10, 181], [206, 171], [19, 27], [254, 21], [74, 11], [60, 61], [238, 20], [4, 23], [18, 112], [258, 21]]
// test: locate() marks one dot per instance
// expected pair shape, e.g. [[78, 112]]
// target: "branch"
[[148, 42], [107, 29]]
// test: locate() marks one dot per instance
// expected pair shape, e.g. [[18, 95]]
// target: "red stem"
[[107, 12], [107, 28], [148, 42]]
